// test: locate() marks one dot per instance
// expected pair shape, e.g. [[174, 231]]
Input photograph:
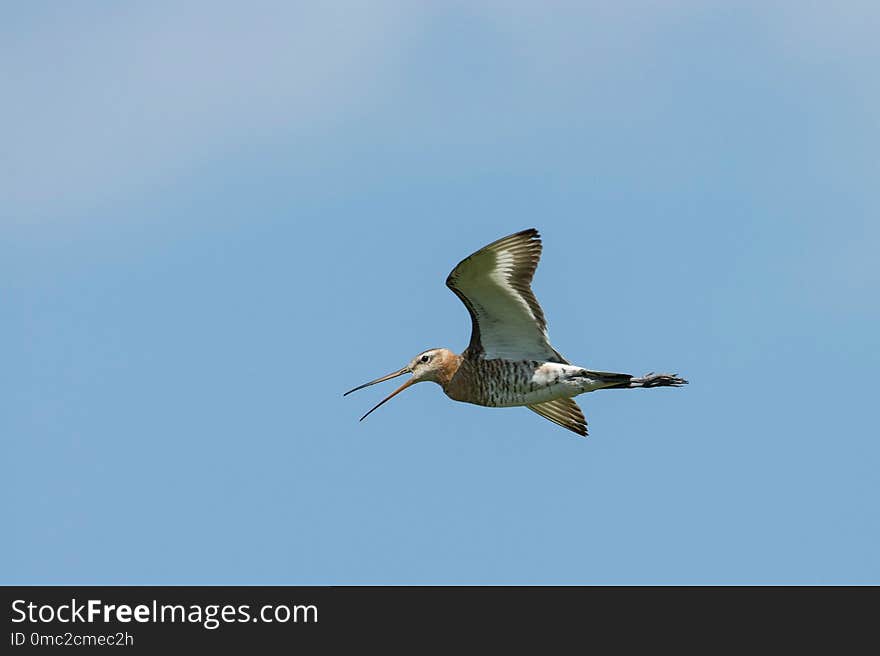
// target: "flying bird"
[[509, 360]]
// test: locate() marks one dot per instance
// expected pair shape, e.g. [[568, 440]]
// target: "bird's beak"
[[405, 370]]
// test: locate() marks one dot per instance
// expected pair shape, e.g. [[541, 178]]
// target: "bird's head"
[[437, 365]]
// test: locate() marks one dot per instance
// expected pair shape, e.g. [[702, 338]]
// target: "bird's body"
[[503, 383], [509, 360]]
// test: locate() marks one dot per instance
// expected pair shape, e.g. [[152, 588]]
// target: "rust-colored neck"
[[448, 368]]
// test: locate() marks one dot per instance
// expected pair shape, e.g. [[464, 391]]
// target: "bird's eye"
[[425, 358]]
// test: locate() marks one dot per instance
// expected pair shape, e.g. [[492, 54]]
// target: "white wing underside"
[[495, 285]]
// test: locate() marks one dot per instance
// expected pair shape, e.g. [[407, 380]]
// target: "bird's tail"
[[609, 380], [648, 380]]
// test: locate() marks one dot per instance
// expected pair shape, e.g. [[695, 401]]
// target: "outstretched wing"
[[495, 286], [564, 412]]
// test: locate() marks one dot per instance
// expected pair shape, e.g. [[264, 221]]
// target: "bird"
[[509, 360]]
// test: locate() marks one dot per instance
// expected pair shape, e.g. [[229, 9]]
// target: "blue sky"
[[217, 218]]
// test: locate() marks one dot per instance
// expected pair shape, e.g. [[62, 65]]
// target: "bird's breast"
[[504, 383]]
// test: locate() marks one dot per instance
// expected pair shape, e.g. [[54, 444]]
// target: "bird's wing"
[[564, 412], [495, 286]]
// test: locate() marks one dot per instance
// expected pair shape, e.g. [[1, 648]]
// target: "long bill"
[[405, 370]]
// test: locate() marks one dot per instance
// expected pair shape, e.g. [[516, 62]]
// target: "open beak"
[[405, 370]]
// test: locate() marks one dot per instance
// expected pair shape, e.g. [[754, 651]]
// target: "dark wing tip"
[[563, 412], [575, 426], [528, 232]]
